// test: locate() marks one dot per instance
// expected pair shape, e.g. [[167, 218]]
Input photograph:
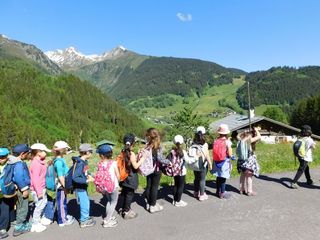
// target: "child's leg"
[[128, 197], [4, 215], [196, 181], [39, 207], [223, 185], [61, 206], [111, 204], [49, 209], [242, 182], [249, 182], [22, 210], [84, 201], [179, 185], [202, 183]]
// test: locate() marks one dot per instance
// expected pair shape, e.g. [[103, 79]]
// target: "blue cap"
[[103, 149], [4, 152], [20, 148]]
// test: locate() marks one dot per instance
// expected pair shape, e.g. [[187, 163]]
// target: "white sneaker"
[[45, 221], [38, 228], [69, 221], [156, 208], [180, 204]]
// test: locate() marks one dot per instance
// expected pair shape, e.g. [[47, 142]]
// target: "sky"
[[250, 35]]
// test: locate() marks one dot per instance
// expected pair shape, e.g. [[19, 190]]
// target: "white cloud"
[[184, 17]]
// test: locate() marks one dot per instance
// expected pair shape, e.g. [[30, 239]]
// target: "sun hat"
[[85, 147], [201, 129], [178, 139], [40, 146], [21, 148], [223, 129], [4, 152], [61, 145], [103, 149]]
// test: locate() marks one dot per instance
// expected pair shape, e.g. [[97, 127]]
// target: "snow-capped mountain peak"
[[71, 58]]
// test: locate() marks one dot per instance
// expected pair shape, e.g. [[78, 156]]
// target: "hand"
[[90, 178], [25, 194]]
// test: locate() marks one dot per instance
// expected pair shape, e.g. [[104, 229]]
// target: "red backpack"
[[103, 179], [219, 150]]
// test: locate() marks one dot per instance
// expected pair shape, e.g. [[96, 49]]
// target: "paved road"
[[277, 212]]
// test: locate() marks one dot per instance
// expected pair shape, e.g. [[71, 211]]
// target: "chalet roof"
[[237, 121]]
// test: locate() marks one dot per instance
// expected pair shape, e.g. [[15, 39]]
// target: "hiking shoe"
[[156, 208], [38, 228], [310, 182], [129, 215], [294, 186], [111, 223], [45, 221], [3, 234], [88, 223], [21, 229], [180, 204]]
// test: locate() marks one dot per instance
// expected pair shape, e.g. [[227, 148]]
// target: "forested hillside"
[[280, 85], [36, 106]]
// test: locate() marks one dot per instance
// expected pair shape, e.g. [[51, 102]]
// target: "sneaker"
[[38, 228], [3, 234], [156, 208], [225, 195], [310, 182], [45, 221], [252, 194], [21, 229], [129, 215], [88, 223], [69, 221], [113, 218], [13, 223], [294, 186], [196, 194], [203, 197], [111, 223], [180, 204]]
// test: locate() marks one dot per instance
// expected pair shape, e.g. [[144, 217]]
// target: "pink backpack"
[[147, 167], [176, 165], [103, 180], [219, 150]]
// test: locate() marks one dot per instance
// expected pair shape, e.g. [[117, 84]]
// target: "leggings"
[[303, 167], [178, 187], [127, 194], [112, 199], [151, 193]]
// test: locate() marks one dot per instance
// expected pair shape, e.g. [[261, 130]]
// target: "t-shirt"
[[61, 167], [309, 146], [113, 176]]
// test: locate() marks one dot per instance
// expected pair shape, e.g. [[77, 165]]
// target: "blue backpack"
[[69, 178], [8, 187], [51, 178]]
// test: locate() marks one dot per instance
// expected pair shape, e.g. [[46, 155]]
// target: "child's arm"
[[136, 164], [116, 171]]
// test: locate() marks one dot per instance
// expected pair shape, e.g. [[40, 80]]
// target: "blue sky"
[[247, 34]]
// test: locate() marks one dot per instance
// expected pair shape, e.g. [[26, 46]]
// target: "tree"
[[275, 113]]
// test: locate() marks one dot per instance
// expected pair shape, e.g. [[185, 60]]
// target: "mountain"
[[15, 49], [280, 86], [38, 106], [127, 75], [70, 58]]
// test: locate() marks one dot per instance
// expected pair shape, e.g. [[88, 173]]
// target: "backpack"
[[299, 148], [242, 150], [176, 165], [193, 160], [7, 185], [122, 167], [147, 167], [51, 178], [103, 179], [219, 150], [69, 178]]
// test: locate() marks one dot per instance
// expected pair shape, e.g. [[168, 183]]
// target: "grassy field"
[[272, 158]]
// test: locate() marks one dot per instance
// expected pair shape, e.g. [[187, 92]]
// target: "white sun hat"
[[178, 139], [201, 129], [61, 145], [223, 129], [40, 146]]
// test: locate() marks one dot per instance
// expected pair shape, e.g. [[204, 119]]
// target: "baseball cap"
[[103, 149], [178, 139], [4, 152], [21, 148], [40, 146], [61, 145], [85, 147], [201, 129]]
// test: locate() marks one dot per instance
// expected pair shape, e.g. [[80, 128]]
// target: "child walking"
[[38, 184], [81, 178], [6, 204], [131, 182], [60, 166], [107, 183], [222, 153]]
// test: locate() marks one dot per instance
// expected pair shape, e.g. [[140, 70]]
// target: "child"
[[130, 184], [81, 178], [22, 180], [153, 179], [177, 170], [247, 164], [6, 204], [38, 184], [306, 133], [106, 180], [60, 166], [222, 153], [200, 175]]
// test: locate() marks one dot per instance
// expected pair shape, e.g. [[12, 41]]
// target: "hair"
[[107, 155], [306, 131], [34, 152], [153, 138], [178, 150], [199, 138], [128, 141], [59, 152]]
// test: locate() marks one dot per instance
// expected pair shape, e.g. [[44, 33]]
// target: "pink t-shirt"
[[38, 171]]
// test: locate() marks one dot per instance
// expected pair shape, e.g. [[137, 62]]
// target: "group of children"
[[111, 175]]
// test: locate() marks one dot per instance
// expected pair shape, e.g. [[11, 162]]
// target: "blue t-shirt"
[[61, 167]]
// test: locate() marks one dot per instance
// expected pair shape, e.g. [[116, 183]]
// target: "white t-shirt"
[[309, 146], [112, 172]]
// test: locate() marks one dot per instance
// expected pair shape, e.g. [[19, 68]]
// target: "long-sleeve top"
[[38, 171]]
